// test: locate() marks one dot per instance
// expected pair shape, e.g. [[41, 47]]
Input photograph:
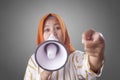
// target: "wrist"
[[95, 63]]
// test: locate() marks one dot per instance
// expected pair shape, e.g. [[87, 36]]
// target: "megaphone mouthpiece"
[[52, 37]]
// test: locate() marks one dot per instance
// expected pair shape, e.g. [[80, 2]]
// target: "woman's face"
[[52, 26]]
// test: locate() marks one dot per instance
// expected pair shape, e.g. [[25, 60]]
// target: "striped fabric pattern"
[[76, 68]]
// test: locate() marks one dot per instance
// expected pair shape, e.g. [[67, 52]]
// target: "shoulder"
[[77, 56], [32, 61], [77, 53]]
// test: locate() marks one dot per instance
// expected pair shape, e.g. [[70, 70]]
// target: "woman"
[[80, 65]]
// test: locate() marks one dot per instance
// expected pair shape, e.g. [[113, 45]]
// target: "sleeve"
[[87, 66], [32, 70], [82, 67]]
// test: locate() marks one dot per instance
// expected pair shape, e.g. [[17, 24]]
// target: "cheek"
[[45, 36], [60, 37]]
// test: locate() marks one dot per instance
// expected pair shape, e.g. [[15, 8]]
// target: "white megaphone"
[[51, 55]]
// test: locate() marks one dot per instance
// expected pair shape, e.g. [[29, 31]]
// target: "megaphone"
[[51, 55]]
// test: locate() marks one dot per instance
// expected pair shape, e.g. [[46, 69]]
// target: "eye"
[[58, 27], [46, 30]]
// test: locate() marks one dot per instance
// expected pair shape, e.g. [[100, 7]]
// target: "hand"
[[94, 46], [93, 43], [45, 75]]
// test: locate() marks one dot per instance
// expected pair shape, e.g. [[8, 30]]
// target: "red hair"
[[66, 38]]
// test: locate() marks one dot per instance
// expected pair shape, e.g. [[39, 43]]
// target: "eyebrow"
[[57, 24], [54, 24], [46, 26]]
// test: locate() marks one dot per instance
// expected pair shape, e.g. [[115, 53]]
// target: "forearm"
[[95, 63]]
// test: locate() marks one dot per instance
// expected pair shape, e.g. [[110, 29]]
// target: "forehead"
[[51, 20]]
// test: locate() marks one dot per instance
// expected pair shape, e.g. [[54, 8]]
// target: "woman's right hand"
[[45, 75]]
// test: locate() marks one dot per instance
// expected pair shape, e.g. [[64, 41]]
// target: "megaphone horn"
[[51, 55]]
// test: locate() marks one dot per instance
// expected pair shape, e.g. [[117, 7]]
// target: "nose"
[[54, 32]]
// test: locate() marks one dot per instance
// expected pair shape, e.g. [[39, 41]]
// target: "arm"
[[81, 67], [94, 47]]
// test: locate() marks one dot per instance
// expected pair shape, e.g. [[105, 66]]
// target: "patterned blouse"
[[76, 68]]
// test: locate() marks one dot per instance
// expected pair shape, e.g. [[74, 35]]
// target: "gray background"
[[19, 23]]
